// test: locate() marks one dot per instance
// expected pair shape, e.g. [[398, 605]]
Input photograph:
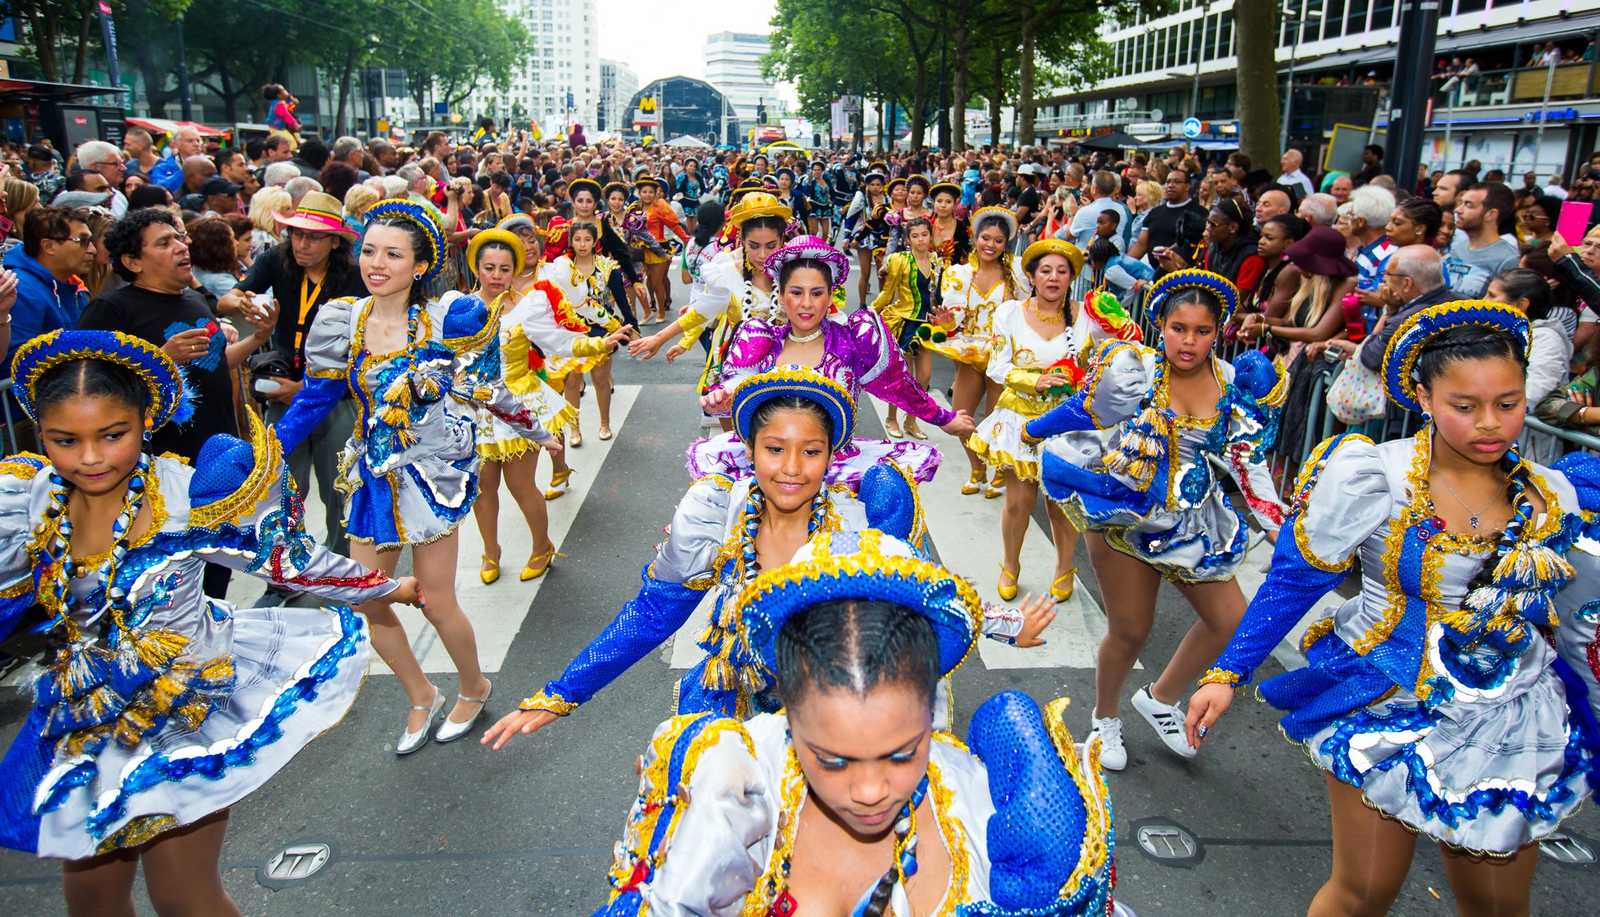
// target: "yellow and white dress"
[[972, 340], [1021, 355], [509, 365], [727, 297]]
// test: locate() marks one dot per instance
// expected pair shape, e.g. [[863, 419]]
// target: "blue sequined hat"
[[798, 381], [865, 565], [1413, 335], [419, 215], [1192, 279], [169, 396]]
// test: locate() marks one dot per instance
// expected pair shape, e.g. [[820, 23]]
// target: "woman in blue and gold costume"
[[411, 468], [160, 707], [725, 532], [849, 800], [1437, 699], [497, 257], [1135, 460]]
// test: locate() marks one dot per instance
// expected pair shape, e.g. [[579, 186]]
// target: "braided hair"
[[857, 645]]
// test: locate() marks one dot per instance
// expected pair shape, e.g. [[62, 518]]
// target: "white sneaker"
[[1113, 754], [1166, 720]]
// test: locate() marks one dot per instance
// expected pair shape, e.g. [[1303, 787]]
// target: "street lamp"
[[1308, 16]]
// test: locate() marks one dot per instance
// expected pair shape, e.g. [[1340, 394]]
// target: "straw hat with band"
[[1415, 333], [1052, 246], [614, 186], [504, 237], [318, 212], [893, 184], [651, 180], [919, 179], [170, 398], [945, 187]]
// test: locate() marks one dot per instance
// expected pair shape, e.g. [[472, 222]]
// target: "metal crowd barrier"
[[5, 410]]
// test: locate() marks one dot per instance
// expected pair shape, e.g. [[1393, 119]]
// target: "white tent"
[[689, 142]]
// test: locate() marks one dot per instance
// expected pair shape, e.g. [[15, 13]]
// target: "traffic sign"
[[1191, 128]]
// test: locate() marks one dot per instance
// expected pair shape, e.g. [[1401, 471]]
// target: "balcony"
[[1522, 86]]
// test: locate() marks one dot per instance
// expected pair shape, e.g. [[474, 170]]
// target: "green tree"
[[458, 45]]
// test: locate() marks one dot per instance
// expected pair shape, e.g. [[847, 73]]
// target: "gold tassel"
[[156, 648]]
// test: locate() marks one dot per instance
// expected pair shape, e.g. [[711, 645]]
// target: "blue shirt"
[[44, 303], [168, 173]]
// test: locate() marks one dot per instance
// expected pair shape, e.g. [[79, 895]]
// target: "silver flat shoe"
[[450, 730], [411, 741]]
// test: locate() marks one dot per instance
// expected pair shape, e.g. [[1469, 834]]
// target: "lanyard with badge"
[[308, 299]]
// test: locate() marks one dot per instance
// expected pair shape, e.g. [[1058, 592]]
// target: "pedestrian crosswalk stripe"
[[496, 611], [966, 533]]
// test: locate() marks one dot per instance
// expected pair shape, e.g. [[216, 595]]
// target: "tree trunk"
[[344, 92], [44, 43], [958, 88], [1255, 24], [1025, 106], [997, 93], [919, 106], [882, 104], [80, 66], [230, 96]]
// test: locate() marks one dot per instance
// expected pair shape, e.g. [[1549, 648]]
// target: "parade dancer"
[[952, 237], [410, 469], [864, 229], [586, 196], [849, 800], [724, 532], [497, 259], [593, 285], [971, 291], [159, 708], [916, 197], [858, 353], [1041, 347], [659, 221], [1435, 699], [736, 287], [627, 223], [1136, 460], [908, 303]]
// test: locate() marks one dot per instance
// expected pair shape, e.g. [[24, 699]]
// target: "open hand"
[[1037, 613], [517, 722]]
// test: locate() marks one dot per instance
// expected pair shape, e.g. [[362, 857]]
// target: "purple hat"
[[1321, 252], [814, 248]]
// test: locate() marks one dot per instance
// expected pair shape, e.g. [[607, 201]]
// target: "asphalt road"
[[461, 830]]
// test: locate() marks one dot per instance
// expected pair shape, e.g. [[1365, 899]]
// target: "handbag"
[[1356, 395]]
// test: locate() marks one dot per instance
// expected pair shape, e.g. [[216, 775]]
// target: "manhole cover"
[[1168, 843], [1568, 849], [294, 864]]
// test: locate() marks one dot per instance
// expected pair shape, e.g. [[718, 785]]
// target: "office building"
[[733, 66], [618, 83], [559, 82]]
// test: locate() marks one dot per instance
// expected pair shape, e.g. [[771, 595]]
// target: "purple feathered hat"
[[812, 248]]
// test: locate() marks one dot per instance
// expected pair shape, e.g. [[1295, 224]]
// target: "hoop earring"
[[1426, 418]]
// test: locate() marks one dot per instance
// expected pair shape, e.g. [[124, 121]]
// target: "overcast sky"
[[660, 38]]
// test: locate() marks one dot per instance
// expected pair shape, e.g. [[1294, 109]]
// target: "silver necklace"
[[1471, 513], [805, 338]]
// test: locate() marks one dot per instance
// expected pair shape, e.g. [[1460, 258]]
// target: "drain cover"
[[294, 864], [1168, 843], [1568, 849]]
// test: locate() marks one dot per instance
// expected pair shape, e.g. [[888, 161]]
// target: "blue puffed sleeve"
[[1117, 383], [1258, 377], [888, 494], [242, 495], [670, 589], [1052, 811], [17, 473], [327, 362], [1342, 499]]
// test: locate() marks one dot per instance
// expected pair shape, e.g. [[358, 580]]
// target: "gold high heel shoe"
[[1060, 594], [892, 427], [539, 564], [489, 571], [996, 487], [912, 430], [974, 483], [1008, 591], [558, 483]]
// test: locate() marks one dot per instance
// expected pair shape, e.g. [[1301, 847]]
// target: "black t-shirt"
[[272, 273], [157, 317], [1175, 227], [1029, 200]]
